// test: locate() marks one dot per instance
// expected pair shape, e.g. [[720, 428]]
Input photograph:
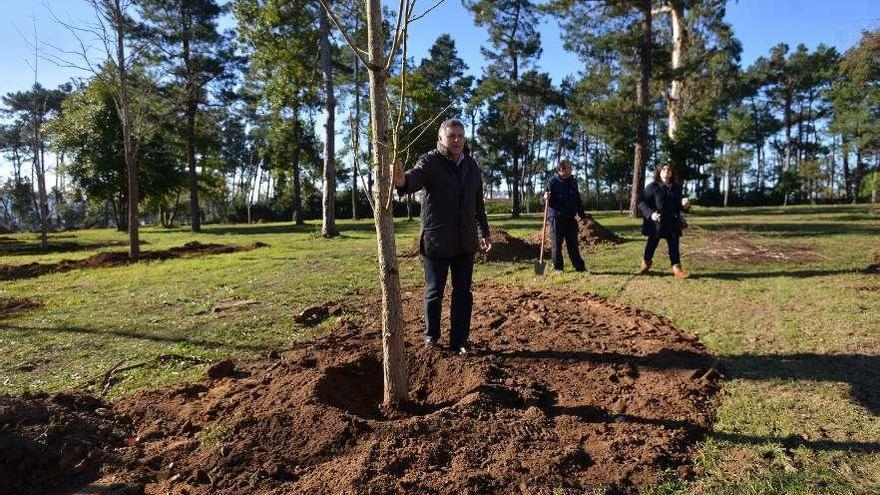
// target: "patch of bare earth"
[[737, 246], [10, 306], [563, 391], [119, 258], [590, 233], [874, 268]]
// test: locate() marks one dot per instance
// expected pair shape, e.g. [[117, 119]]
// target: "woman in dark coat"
[[661, 206]]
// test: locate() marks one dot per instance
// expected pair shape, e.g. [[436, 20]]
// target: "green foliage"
[[90, 132]]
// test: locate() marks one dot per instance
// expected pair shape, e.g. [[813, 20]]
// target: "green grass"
[[798, 341]]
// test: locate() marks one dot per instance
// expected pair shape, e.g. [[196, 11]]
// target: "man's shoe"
[[431, 343], [645, 268], [679, 273]]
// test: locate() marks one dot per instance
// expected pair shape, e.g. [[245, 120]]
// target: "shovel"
[[541, 265]]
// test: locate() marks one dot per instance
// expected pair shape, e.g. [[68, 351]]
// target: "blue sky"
[[758, 24]]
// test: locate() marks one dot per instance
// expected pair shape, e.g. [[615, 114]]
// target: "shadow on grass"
[[592, 414], [794, 229], [777, 210], [665, 359], [860, 371], [98, 332], [666, 271], [773, 274]]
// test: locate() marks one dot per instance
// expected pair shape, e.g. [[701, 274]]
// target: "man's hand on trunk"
[[399, 177]]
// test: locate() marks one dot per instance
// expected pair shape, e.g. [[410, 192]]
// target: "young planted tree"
[[386, 147]]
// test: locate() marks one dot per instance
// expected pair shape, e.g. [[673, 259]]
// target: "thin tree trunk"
[[328, 226], [128, 146], [297, 183], [356, 148], [190, 132], [679, 38], [396, 389], [787, 122], [640, 160]]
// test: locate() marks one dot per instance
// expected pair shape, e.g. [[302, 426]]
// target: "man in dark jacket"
[[565, 203], [454, 228]]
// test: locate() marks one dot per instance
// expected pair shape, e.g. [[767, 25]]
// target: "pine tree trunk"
[[190, 132], [674, 103], [130, 165], [328, 226], [396, 389], [640, 160], [297, 183], [356, 149]]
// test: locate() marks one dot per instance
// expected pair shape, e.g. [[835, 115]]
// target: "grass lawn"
[[799, 338]]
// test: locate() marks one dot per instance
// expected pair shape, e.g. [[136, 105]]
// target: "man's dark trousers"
[[565, 229], [436, 270]]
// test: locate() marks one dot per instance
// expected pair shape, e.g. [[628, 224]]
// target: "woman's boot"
[[678, 272]]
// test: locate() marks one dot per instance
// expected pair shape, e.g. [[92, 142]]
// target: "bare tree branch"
[[423, 14], [402, 10], [357, 51]]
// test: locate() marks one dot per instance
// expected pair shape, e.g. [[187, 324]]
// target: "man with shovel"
[[454, 228], [564, 203]]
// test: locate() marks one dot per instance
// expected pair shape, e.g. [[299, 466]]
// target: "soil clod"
[[221, 369]]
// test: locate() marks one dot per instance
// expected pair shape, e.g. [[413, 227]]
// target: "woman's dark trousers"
[[436, 270], [671, 241]]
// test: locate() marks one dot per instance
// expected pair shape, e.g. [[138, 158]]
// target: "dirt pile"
[[505, 247], [55, 440], [737, 246], [590, 233], [12, 305], [588, 395], [874, 268], [119, 258]]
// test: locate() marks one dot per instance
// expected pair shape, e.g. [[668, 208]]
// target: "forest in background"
[[231, 125]]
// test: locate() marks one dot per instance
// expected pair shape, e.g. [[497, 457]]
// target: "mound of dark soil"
[[505, 247], [12, 305], [737, 246], [590, 233], [874, 268], [584, 395], [59, 440], [12, 246], [119, 258]]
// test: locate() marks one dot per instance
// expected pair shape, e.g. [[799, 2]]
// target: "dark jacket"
[[453, 212], [665, 199], [565, 200]]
